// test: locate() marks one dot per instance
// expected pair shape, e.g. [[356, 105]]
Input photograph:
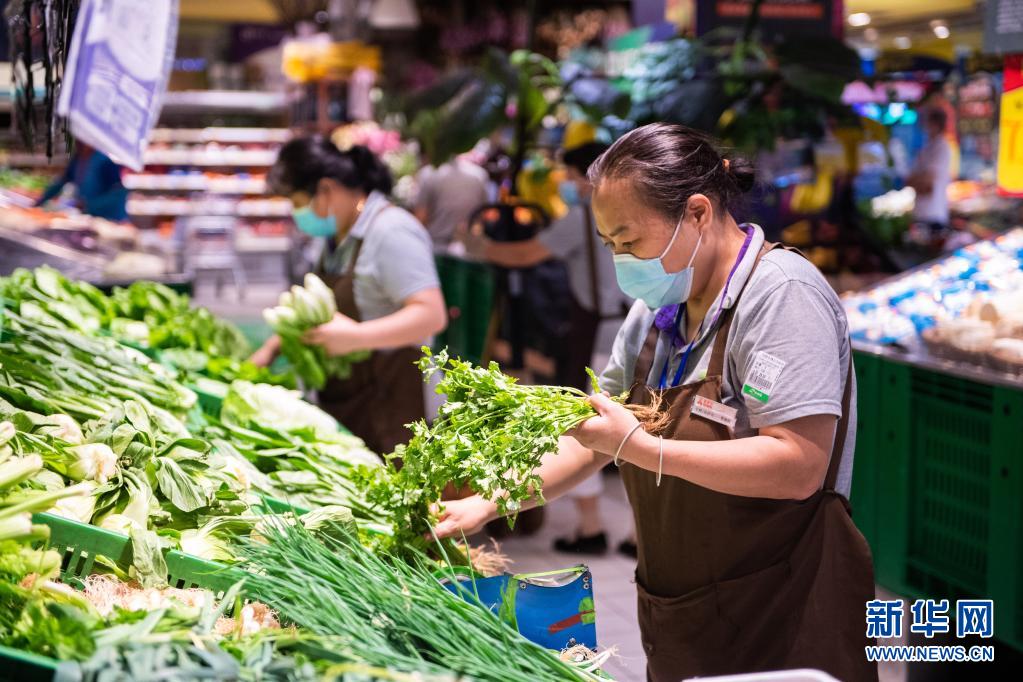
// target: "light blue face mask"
[[569, 192], [313, 225], [647, 280]]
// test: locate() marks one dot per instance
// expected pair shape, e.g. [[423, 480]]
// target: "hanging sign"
[[1003, 26], [117, 70], [1010, 136], [782, 17]]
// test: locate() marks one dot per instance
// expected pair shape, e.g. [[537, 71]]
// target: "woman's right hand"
[[267, 353], [467, 516]]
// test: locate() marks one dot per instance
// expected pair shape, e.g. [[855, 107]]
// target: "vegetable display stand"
[[554, 609], [80, 544], [939, 468]]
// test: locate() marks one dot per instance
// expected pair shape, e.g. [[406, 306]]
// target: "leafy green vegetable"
[[490, 434], [299, 310]]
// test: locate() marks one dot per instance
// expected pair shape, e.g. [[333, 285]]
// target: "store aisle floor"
[[614, 591]]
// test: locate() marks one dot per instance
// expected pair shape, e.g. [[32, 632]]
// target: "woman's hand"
[[341, 336], [267, 353], [467, 516], [605, 432]]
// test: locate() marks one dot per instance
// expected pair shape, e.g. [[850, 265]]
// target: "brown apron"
[[730, 584], [384, 392]]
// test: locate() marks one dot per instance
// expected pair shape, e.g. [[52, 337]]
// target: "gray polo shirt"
[[450, 194], [396, 260], [566, 240], [789, 342]]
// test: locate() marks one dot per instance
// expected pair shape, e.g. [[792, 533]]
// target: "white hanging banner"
[[121, 57]]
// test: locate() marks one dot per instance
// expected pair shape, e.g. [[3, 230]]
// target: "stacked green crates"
[[469, 294], [939, 473]]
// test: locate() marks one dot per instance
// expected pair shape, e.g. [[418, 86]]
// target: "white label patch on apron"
[[762, 376], [714, 411]]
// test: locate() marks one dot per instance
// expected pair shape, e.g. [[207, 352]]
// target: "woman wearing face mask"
[[748, 558], [379, 262]]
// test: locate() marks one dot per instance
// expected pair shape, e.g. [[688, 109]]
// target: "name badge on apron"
[[714, 411]]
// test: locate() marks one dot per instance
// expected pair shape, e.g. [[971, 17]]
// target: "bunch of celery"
[[298, 311]]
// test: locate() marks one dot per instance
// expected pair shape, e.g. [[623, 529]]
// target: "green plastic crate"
[[863, 497], [469, 294], [80, 544], [946, 489]]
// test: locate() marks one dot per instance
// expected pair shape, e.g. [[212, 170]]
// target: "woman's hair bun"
[[374, 173], [742, 173], [304, 161]]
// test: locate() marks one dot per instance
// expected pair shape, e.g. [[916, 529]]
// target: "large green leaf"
[[178, 487], [598, 97], [697, 104], [438, 94]]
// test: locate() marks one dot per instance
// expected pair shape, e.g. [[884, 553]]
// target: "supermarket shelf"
[[916, 355], [151, 209], [195, 183], [240, 101], [209, 157], [22, 160], [228, 135]]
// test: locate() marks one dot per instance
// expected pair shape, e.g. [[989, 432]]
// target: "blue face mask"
[[569, 192], [312, 224], [647, 280]]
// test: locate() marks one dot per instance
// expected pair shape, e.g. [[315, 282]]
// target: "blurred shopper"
[[595, 298], [97, 181], [379, 262], [447, 197], [932, 174]]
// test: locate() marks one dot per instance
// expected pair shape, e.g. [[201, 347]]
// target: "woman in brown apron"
[[748, 557], [379, 262]]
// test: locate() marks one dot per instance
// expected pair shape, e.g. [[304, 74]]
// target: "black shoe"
[[628, 548], [589, 544]]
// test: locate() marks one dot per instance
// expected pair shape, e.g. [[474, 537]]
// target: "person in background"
[[932, 174], [596, 298], [447, 197], [379, 262], [97, 180]]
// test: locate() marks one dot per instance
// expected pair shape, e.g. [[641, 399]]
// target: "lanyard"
[[684, 360]]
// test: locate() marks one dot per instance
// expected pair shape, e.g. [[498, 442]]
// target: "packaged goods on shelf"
[[967, 306]]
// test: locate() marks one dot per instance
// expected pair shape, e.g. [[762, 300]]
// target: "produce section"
[[104, 425]]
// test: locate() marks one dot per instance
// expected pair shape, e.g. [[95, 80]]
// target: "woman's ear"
[[700, 210]]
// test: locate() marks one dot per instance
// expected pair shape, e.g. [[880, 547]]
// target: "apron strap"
[[841, 431], [645, 361], [350, 270]]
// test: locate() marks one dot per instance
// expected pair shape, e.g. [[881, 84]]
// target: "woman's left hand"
[[340, 336], [605, 432]]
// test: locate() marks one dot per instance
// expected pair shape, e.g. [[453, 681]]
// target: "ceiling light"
[[394, 14], [871, 35], [941, 31], [858, 19], [902, 42]]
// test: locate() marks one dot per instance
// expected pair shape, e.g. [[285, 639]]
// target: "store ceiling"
[[897, 11]]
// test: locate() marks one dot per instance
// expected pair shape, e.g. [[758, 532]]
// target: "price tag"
[[714, 411], [1010, 135]]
